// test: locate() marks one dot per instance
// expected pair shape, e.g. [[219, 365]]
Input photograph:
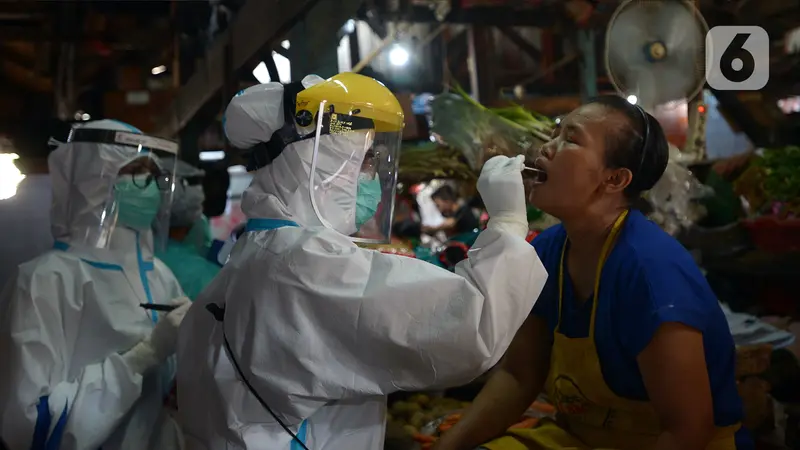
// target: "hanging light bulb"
[[398, 56]]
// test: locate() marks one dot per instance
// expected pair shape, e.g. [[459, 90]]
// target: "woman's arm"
[[673, 367], [513, 386]]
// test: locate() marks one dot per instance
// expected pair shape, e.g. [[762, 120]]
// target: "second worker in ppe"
[[187, 250], [298, 341], [84, 365]]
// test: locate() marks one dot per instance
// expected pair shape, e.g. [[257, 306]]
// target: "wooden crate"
[[130, 78], [757, 404], [752, 360]]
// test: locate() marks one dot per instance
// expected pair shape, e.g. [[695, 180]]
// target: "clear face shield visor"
[[353, 174], [138, 193]]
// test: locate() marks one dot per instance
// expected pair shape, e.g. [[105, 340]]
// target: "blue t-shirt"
[[647, 280]]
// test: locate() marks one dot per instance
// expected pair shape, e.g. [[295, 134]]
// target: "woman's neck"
[[588, 232]]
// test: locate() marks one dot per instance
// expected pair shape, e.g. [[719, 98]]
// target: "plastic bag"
[[674, 199]]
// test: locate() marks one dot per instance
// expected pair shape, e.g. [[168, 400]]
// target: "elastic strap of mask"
[[313, 171]]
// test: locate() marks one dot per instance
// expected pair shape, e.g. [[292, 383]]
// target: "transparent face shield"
[[353, 174], [138, 181]]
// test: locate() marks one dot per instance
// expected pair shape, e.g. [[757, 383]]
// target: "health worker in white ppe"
[[189, 233], [84, 365], [298, 341]]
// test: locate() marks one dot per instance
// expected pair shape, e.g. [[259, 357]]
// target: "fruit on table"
[[420, 410]]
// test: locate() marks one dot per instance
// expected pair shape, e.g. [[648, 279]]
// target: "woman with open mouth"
[[627, 339]]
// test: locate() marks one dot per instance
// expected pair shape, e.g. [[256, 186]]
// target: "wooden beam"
[[521, 43], [282, 51], [272, 68], [256, 26], [588, 48], [569, 59], [24, 76], [549, 105], [371, 16], [485, 63], [542, 16], [42, 33]]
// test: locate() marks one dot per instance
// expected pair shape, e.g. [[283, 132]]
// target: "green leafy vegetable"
[[781, 173], [480, 132]]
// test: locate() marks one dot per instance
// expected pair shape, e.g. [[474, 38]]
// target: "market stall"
[[743, 230]]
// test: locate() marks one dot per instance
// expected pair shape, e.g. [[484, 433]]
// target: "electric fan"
[[655, 56]]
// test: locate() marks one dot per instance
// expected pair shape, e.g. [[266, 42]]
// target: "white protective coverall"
[[72, 332], [324, 329]]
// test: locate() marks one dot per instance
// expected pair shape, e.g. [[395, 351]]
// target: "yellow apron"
[[590, 415]]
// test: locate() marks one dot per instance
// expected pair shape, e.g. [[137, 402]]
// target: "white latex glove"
[[165, 334], [503, 194], [162, 342]]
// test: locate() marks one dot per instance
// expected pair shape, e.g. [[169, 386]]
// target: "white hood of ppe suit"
[[280, 190], [323, 329], [83, 176]]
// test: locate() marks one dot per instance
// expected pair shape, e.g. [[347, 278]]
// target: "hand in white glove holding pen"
[[163, 340]]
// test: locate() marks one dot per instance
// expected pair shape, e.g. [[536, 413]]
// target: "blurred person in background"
[[406, 223], [190, 233], [303, 334], [85, 366], [459, 218], [627, 339]]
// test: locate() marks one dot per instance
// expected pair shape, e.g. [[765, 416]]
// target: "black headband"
[[645, 136], [263, 154]]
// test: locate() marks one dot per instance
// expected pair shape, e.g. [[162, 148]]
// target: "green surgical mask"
[[138, 207], [368, 197]]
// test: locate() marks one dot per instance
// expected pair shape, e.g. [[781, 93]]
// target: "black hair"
[[639, 145], [446, 193]]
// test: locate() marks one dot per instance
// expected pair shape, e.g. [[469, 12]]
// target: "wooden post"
[[588, 49], [485, 61]]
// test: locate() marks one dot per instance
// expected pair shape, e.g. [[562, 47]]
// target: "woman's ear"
[[618, 180]]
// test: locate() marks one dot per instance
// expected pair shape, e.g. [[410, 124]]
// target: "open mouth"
[[535, 172]]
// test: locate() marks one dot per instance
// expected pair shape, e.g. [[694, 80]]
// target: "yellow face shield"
[[357, 126]]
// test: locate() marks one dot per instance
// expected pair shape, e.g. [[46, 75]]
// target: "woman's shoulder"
[[646, 244], [656, 266]]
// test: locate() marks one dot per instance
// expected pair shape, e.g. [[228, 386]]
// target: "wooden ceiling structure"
[[60, 57], [549, 70], [57, 58]]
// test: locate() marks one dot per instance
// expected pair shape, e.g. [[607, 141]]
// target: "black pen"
[[158, 307]]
